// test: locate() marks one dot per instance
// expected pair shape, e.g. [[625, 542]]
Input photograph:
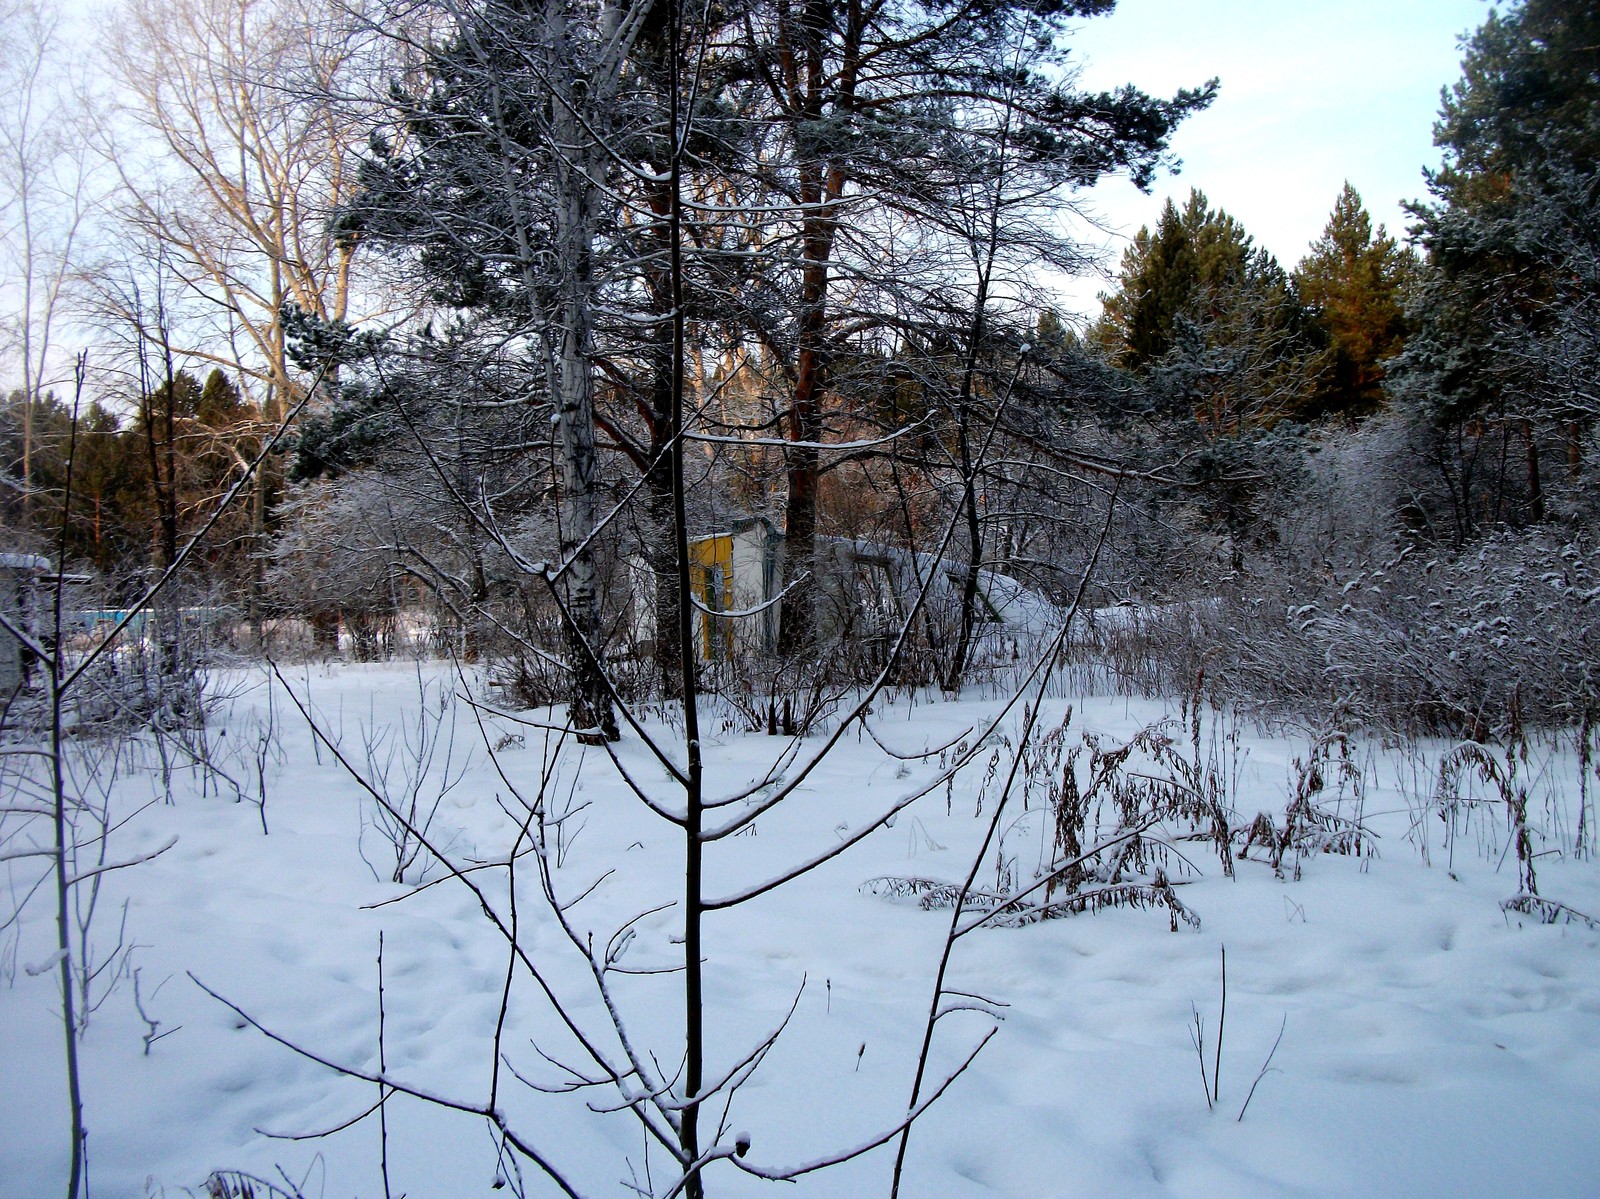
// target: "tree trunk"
[[661, 417], [590, 706], [1535, 488], [662, 559], [809, 88], [162, 462], [797, 625]]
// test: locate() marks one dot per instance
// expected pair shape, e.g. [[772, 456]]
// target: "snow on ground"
[[1430, 1045]]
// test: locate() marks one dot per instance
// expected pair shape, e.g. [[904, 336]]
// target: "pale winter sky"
[[1314, 92]]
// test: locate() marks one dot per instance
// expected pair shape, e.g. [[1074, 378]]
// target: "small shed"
[[863, 590], [736, 574], [20, 576]]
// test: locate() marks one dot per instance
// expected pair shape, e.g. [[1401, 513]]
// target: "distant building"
[[864, 590], [736, 572], [20, 576]]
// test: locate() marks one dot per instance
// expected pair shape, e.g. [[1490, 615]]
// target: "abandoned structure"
[[864, 590], [20, 578]]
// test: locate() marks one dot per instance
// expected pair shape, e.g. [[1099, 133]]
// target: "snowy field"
[[1431, 1045]]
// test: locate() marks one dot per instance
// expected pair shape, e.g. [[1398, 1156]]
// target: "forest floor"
[[1431, 1044]]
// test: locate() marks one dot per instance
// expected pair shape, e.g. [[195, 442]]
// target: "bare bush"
[[411, 767]]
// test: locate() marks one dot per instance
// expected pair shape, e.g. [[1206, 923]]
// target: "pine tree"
[[1220, 346], [1354, 282], [1209, 320], [1504, 336], [1529, 86], [911, 105], [1193, 260]]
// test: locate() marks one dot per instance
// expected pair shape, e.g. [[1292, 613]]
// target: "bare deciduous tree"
[[232, 154], [45, 198]]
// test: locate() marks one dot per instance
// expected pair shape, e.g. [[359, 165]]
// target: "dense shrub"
[[1424, 643]]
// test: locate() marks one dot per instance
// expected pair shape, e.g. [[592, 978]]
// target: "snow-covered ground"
[[1430, 1045]]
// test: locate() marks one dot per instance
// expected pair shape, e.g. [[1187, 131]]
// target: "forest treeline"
[[431, 293]]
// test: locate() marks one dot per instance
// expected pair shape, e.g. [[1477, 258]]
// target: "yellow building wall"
[[711, 577]]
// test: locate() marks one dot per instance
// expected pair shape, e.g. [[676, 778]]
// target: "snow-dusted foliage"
[[1428, 641]]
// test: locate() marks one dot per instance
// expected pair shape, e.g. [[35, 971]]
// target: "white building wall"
[[755, 581]]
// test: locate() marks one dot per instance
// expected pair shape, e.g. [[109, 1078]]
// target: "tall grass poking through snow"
[[1116, 811]]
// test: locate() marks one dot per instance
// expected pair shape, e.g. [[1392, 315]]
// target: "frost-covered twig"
[[1265, 1068]]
